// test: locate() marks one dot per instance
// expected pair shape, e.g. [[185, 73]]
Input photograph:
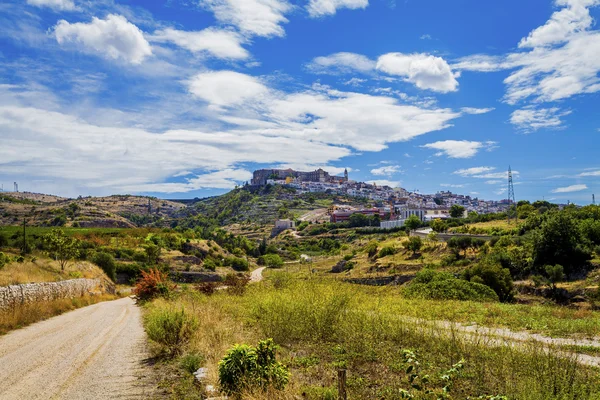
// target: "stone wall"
[[15, 295]]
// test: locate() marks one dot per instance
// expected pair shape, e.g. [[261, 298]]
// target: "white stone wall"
[[15, 295]]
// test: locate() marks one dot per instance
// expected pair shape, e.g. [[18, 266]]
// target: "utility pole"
[[16, 187], [593, 199], [511, 196]]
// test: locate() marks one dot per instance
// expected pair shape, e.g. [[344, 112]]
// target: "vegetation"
[[63, 248], [153, 283], [246, 368], [169, 328]]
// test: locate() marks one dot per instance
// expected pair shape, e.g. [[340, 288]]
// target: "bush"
[[153, 283], [191, 362], [236, 283], [3, 240], [494, 276], [433, 285], [107, 263], [4, 259], [171, 329], [414, 244], [386, 251], [271, 261], [247, 368], [237, 264], [371, 249], [209, 264]]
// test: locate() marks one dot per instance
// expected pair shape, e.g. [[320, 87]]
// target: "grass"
[[45, 270], [22, 316], [324, 324]]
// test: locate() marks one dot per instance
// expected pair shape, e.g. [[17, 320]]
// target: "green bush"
[[238, 264], [494, 276], [414, 244], [387, 251], [271, 260], [107, 263], [169, 328], [3, 240], [247, 368], [191, 362], [433, 285], [371, 249], [4, 259]]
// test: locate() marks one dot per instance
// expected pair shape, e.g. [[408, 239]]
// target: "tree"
[[412, 222], [357, 220], [493, 275], [63, 248], [271, 260], [371, 249], [413, 244], [459, 243], [457, 211], [438, 225], [311, 199], [555, 274], [107, 263], [152, 253], [559, 241]]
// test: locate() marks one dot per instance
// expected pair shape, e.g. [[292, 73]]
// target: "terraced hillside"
[[119, 211]]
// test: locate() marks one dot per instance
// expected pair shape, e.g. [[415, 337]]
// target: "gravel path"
[[96, 352], [256, 275]]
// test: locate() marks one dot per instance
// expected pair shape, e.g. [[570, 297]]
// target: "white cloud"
[[384, 182], [423, 70], [319, 114], [473, 171], [63, 5], [590, 173], [452, 185], [388, 170], [320, 8], [500, 191], [570, 189], [113, 37], [458, 148], [476, 111], [532, 119], [557, 60], [226, 88], [220, 43], [426, 37], [251, 17], [342, 62], [225, 179], [562, 25], [492, 182], [355, 82]]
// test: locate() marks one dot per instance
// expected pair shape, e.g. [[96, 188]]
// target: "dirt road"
[[256, 275], [95, 352]]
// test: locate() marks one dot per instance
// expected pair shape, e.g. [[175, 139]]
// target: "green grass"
[[324, 324]]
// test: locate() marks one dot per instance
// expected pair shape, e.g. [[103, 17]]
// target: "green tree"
[[107, 263], [555, 274], [457, 211], [63, 248], [493, 275], [412, 222], [438, 225], [152, 253], [271, 260], [371, 249], [414, 244], [559, 241]]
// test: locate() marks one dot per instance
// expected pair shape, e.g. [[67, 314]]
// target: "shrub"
[[236, 283], [191, 362], [247, 368], [237, 264], [271, 261], [386, 251], [371, 249], [207, 288], [494, 276], [153, 283], [4, 259], [107, 263], [433, 285], [3, 240], [414, 244], [171, 329]]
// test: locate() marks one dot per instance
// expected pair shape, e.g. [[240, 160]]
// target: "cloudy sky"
[[185, 98]]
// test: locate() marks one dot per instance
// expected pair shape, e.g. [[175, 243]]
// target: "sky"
[[185, 98]]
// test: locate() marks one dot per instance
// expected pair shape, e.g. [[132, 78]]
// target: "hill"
[[118, 211]]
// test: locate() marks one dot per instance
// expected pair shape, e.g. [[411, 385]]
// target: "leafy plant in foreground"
[[247, 368]]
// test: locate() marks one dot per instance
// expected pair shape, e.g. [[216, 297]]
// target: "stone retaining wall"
[[15, 295]]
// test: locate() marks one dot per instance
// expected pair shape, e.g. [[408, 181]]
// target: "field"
[[323, 325]]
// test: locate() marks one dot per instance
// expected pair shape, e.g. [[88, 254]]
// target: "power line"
[[511, 196]]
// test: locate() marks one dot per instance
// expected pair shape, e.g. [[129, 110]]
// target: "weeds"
[[171, 329]]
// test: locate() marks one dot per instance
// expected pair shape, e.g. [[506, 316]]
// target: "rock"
[[201, 374], [339, 267]]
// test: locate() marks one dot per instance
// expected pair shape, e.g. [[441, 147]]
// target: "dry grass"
[[22, 316], [46, 270]]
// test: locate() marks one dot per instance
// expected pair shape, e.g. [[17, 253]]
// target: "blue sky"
[[186, 98]]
